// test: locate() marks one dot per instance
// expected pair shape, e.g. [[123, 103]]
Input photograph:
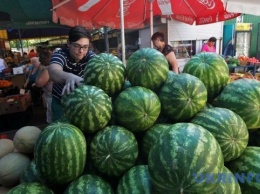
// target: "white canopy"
[[243, 6]]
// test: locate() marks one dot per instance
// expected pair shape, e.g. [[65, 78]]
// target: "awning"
[[22, 14], [251, 7]]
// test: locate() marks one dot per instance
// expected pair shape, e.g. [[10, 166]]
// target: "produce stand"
[[17, 79], [15, 110], [15, 103], [244, 68]]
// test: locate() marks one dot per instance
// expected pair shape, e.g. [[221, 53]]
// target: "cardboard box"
[[18, 70], [15, 103]]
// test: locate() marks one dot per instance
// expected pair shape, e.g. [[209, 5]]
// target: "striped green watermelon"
[[89, 184], [87, 107], [147, 67], [113, 150], [105, 71], [31, 174], [150, 136], [242, 97], [211, 69], [182, 96], [30, 188], [227, 183], [60, 153], [181, 153], [246, 168], [135, 181], [137, 108], [228, 128]]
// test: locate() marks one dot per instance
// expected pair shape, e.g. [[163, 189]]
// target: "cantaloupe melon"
[[25, 138], [12, 166], [6, 147]]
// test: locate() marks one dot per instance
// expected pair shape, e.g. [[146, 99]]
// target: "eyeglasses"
[[79, 47]]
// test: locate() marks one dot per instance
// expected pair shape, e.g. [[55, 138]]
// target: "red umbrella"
[[198, 11], [99, 13]]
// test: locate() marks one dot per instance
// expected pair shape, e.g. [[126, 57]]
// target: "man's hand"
[[72, 81]]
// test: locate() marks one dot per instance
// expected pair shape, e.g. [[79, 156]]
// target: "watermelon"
[[135, 181], [182, 153], [105, 71], [242, 97], [182, 96], [88, 107], [227, 183], [31, 188], [211, 69], [31, 174], [113, 150], [246, 169], [60, 153], [137, 108], [150, 136], [228, 128], [147, 67], [89, 184]]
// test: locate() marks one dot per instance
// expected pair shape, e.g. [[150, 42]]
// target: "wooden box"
[[15, 103]]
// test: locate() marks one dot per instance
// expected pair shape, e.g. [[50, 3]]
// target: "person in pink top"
[[209, 46]]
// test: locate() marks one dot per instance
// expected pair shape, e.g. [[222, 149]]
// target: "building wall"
[[255, 20], [178, 31], [145, 35]]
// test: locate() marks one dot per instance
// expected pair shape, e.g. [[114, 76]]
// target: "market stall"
[[14, 104]]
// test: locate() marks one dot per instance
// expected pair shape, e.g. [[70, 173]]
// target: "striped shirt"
[[63, 58]]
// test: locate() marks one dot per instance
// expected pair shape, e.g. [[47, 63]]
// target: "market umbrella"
[[194, 12], [99, 13], [17, 16], [136, 13], [247, 7], [22, 14]]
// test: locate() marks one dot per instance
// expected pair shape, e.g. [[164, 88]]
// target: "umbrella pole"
[[21, 42], [106, 39], [151, 20], [122, 31]]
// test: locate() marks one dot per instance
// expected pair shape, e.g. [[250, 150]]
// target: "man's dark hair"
[[79, 32], [212, 39], [158, 35]]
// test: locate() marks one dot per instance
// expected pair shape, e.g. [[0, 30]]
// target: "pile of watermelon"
[[143, 129]]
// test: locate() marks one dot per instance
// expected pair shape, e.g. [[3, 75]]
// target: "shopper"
[[30, 81], [67, 66], [43, 81], [32, 54], [3, 64], [209, 46], [167, 50]]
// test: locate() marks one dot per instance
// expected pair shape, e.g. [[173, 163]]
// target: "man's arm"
[[171, 58], [57, 75]]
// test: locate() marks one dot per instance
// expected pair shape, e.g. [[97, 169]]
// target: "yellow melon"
[[25, 138], [12, 166], [6, 147]]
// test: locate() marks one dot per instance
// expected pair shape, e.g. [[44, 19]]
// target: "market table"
[[245, 67], [17, 79]]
